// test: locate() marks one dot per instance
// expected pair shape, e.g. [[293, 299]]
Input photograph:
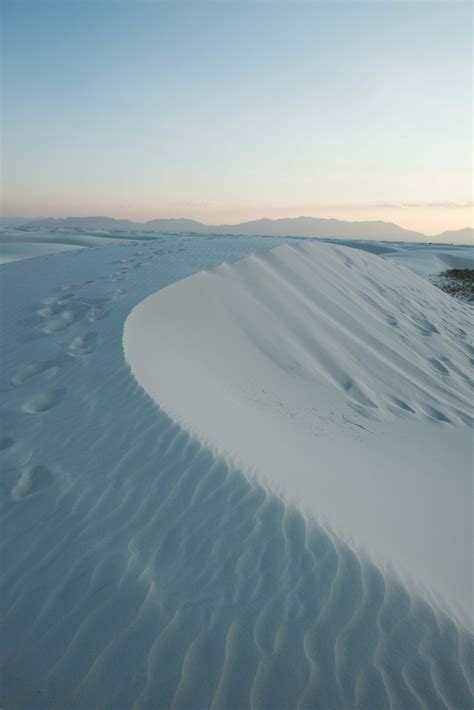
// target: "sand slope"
[[343, 380], [140, 570], [23, 243]]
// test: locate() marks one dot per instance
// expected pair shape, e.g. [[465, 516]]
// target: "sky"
[[228, 111]]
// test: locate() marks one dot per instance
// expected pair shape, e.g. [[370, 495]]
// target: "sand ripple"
[[139, 570]]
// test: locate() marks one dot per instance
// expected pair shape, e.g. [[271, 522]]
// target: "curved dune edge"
[[141, 571], [341, 380]]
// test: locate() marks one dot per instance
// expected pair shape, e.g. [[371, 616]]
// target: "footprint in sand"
[[50, 310], [43, 401], [26, 373], [117, 276], [58, 314], [67, 318], [37, 368], [32, 479], [84, 344]]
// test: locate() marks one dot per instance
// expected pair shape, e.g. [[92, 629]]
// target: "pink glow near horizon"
[[429, 220], [227, 112]]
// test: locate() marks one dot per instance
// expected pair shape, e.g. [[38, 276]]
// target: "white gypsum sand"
[[139, 569], [343, 380], [19, 243]]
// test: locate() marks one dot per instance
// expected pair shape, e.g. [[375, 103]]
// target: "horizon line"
[[218, 224]]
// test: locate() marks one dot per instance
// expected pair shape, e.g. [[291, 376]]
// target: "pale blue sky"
[[231, 110]]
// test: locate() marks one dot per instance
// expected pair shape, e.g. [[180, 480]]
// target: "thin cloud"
[[425, 205]]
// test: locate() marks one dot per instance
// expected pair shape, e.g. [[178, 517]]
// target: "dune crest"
[[343, 380]]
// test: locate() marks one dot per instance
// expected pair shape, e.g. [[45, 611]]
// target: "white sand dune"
[[26, 250], [19, 243], [428, 260], [139, 569], [340, 378]]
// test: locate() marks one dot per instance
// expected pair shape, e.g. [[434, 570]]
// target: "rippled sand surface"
[[140, 567]]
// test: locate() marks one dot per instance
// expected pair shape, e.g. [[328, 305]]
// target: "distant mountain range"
[[457, 235], [286, 227]]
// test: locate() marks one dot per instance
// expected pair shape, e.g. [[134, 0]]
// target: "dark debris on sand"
[[458, 283]]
